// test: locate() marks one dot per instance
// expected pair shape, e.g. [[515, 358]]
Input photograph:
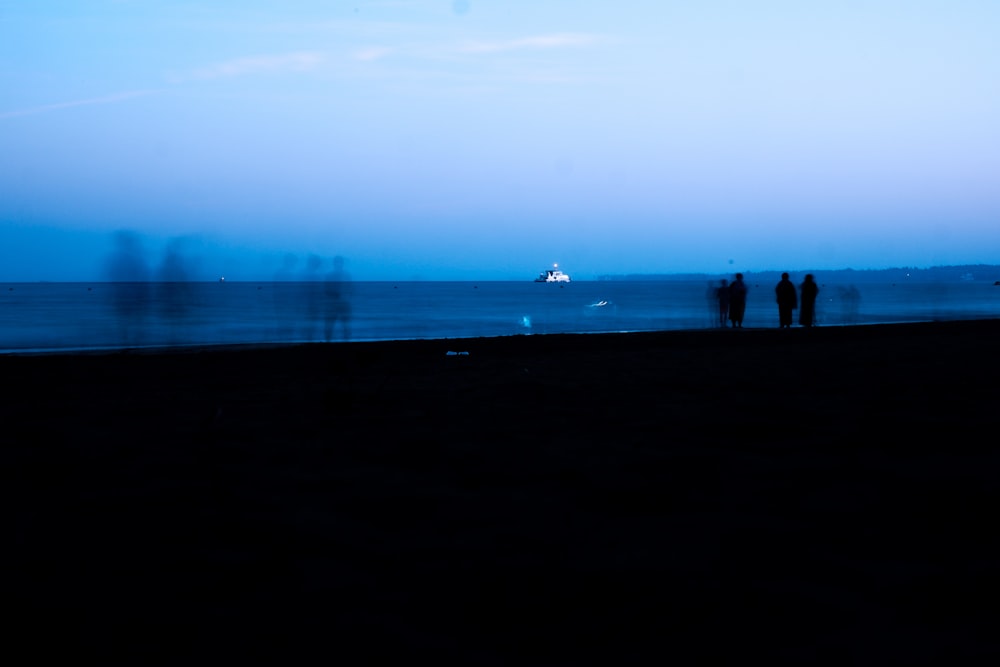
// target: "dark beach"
[[824, 495]]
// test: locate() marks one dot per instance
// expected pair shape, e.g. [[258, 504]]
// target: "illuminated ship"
[[553, 275]]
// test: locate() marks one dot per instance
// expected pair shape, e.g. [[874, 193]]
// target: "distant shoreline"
[[981, 273]]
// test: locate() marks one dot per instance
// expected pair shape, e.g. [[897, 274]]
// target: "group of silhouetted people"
[[788, 300], [732, 300]]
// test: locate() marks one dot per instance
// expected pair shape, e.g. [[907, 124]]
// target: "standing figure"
[[737, 301], [722, 296], [784, 293], [810, 290]]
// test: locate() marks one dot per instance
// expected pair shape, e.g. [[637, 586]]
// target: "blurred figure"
[[722, 302], [810, 290], [174, 298], [127, 271], [850, 300], [281, 287], [712, 302], [337, 303], [784, 293], [312, 293], [737, 301]]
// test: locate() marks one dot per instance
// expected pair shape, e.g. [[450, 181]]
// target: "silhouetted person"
[[784, 293], [810, 290], [722, 299], [737, 301], [337, 303]]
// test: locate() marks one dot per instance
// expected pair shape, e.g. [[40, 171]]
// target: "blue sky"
[[487, 139]]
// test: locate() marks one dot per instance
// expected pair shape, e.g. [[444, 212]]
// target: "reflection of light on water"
[[602, 307], [526, 322]]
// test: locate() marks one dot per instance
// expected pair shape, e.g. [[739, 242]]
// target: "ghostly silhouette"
[[737, 301], [712, 303], [174, 288], [722, 302], [281, 289], [809, 290], [337, 302], [850, 304], [784, 294], [313, 297], [127, 272]]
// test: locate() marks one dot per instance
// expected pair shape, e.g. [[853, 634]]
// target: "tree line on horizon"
[[954, 273]]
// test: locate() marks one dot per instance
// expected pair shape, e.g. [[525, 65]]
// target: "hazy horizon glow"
[[487, 139]]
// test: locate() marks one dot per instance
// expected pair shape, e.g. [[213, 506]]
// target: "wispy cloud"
[[106, 99], [302, 61], [536, 42], [475, 65], [286, 62], [436, 51]]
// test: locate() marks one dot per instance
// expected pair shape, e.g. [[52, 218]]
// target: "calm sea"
[[72, 316]]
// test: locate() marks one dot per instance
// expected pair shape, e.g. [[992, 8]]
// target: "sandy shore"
[[823, 495]]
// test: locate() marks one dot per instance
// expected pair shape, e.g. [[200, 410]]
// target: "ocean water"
[[73, 316]]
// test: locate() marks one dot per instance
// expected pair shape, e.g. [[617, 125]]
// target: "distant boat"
[[553, 275]]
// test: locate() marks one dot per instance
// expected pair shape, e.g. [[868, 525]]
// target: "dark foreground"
[[802, 496]]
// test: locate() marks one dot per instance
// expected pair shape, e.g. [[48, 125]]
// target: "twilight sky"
[[487, 139]]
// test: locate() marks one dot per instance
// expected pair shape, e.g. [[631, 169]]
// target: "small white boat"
[[553, 275]]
